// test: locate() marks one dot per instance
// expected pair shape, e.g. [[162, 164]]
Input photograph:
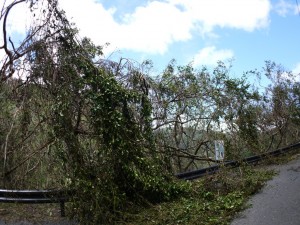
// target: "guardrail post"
[[62, 208]]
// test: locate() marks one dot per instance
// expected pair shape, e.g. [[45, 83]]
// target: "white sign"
[[219, 150]]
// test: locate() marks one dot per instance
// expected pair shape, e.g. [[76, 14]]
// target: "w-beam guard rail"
[[191, 175], [36, 196]]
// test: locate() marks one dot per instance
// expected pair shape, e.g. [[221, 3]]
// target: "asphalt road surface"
[[279, 201]]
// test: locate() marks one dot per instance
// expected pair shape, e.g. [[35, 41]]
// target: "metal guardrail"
[[191, 175], [36, 196]]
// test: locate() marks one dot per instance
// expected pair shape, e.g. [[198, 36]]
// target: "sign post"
[[219, 150]]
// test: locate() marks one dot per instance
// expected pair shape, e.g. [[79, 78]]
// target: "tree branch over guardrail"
[[191, 175]]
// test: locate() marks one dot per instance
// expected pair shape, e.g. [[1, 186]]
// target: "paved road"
[[279, 201]]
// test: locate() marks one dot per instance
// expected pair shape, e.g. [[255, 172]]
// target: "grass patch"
[[209, 201]]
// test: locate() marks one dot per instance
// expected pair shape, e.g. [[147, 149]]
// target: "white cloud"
[[149, 29], [283, 8], [18, 19], [240, 14], [296, 70], [153, 27], [293, 76], [209, 56]]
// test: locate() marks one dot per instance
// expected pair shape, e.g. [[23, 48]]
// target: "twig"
[[28, 157], [6, 140]]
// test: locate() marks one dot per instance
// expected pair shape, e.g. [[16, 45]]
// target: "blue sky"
[[198, 31]]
